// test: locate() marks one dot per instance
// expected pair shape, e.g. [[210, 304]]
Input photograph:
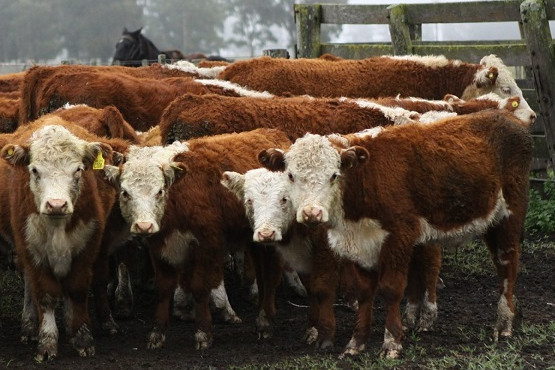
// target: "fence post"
[[542, 56], [276, 53], [162, 58], [399, 30], [144, 62], [307, 19]]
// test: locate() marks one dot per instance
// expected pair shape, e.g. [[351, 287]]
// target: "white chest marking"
[[50, 244], [360, 241], [177, 247]]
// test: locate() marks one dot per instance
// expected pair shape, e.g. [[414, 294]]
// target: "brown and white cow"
[[57, 207], [190, 116], [267, 201], [174, 195], [380, 195], [429, 77]]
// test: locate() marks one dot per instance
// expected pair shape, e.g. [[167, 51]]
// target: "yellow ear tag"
[[98, 163], [490, 76], [177, 168], [10, 151], [515, 104]]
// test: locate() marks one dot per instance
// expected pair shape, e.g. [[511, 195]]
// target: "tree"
[[253, 22], [191, 26]]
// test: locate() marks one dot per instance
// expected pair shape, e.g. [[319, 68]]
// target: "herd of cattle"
[[352, 173]]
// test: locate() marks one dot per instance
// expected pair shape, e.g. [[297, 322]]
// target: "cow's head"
[[268, 206], [56, 160], [314, 166], [143, 182], [493, 76]]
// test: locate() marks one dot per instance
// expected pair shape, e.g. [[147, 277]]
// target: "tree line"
[[41, 30]]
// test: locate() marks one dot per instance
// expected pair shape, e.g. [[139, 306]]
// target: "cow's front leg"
[[367, 282], [29, 319], [77, 286], [166, 282], [47, 347]]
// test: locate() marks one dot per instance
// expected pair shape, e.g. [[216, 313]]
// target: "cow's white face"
[[144, 180], [313, 168], [495, 78], [56, 160], [268, 206]]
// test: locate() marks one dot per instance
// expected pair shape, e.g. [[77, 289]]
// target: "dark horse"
[[133, 48]]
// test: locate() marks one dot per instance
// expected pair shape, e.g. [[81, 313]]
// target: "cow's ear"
[[117, 158], [353, 157], [234, 182], [272, 159], [16, 155], [95, 154], [486, 77], [512, 103], [112, 175], [173, 171]]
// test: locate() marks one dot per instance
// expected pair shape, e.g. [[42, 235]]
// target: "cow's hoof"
[[28, 331], [352, 349], [110, 326], [83, 342], [47, 349], [231, 318], [311, 335], [263, 327], [156, 339], [203, 340], [391, 349], [324, 344]]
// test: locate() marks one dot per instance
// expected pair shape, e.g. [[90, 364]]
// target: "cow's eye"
[[290, 175], [249, 202], [334, 177], [284, 201], [78, 172], [35, 173], [160, 193], [124, 194]]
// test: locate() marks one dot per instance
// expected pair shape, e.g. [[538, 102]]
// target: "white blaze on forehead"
[[231, 86], [189, 67], [433, 61], [267, 202], [54, 142], [395, 114]]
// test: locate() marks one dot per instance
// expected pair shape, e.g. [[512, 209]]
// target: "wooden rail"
[[534, 51]]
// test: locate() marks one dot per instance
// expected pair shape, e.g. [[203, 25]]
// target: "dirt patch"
[[467, 309]]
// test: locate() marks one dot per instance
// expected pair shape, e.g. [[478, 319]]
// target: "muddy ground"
[[467, 307]]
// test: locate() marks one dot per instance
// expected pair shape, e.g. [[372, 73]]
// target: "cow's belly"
[[177, 247], [475, 227], [359, 241]]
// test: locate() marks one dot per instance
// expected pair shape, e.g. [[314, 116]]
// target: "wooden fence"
[[534, 51]]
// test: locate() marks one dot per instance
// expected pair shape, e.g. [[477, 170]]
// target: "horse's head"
[[133, 47]]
